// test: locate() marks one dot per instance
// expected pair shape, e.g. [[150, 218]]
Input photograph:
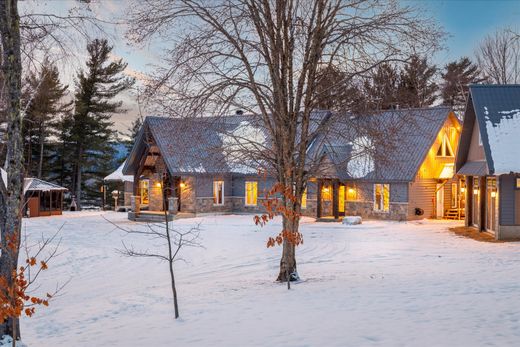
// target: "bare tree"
[[22, 39], [498, 57], [263, 57], [174, 238]]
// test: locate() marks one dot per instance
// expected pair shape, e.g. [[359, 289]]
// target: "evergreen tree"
[[336, 92], [381, 88], [44, 94], [132, 133], [89, 130], [417, 87], [457, 76]]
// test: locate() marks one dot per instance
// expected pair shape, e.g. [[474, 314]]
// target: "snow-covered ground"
[[377, 284]]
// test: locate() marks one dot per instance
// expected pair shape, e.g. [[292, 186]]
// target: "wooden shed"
[[42, 198]]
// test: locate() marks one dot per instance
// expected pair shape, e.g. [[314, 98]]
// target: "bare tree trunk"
[[11, 202], [174, 291], [288, 260], [171, 255]]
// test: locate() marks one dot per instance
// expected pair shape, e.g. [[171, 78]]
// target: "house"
[[489, 161], [124, 185], [397, 164], [400, 167], [42, 198]]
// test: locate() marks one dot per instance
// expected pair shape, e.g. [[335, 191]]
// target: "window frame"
[[255, 183], [375, 206], [215, 192], [144, 190], [445, 145]]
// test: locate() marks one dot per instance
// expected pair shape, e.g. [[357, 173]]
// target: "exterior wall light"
[[493, 194], [475, 191], [462, 189], [182, 185]]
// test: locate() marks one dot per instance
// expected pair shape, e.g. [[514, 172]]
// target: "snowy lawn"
[[376, 284]]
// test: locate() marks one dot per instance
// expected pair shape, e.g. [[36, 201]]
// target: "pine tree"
[[335, 91], [44, 94], [381, 88], [89, 130], [417, 87], [457, 76], [132, 133]]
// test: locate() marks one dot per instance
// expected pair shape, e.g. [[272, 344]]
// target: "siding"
[[204, 186], [399, 192], [239, 185], [507, 200], [422, 194], [476, 151]]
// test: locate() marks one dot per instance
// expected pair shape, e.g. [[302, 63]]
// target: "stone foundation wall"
[[205, 205], [508, 232], [398, 211]]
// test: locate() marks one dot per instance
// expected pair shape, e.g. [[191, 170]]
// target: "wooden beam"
[[482, 200], [318, 198], [335, 199]]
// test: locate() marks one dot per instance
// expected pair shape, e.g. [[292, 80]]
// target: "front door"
[[439, 198], [341, 200], [475, 203], [491, 204]]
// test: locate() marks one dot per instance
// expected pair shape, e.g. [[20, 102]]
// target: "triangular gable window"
[[445, 149]]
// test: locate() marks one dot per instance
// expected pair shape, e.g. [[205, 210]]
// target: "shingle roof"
[[33, 184], [36, 184], [497, 109], [474, 168], [398, 139], [195, 145], [395, 141]]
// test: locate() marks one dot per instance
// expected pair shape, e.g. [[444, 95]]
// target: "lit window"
[[445, 149], [518, 183], [351, 194], [251, 193], [304, 199], [143, 191], [381, 197], [218, 192], [326, 193]]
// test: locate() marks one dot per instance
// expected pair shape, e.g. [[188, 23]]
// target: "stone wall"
[[311, 209], [155, 193], [365, 209], [188, 199]]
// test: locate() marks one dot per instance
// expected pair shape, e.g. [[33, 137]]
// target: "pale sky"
[[466, 21]]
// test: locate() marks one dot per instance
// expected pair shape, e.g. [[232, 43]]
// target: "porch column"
[[335, 199], [483, 202], [468, 220], [318, 198]]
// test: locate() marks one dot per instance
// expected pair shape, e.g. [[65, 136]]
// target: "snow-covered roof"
[[33, 184], [36, 184], [119, 176], [497, 109]]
